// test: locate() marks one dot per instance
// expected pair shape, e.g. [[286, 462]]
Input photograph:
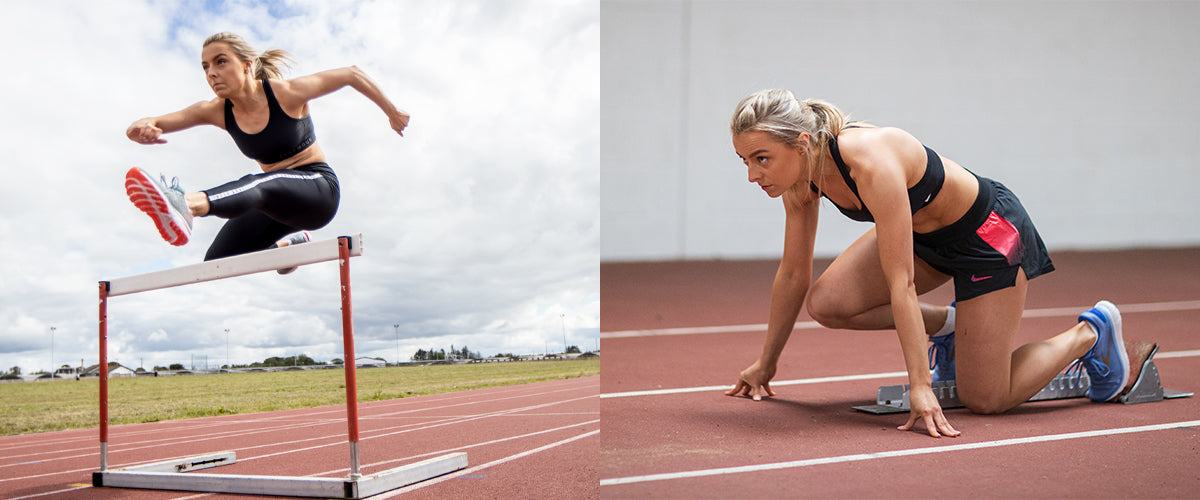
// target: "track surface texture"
[[532, 440], [675, 335]]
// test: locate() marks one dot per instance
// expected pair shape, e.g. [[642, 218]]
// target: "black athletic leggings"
[[263, 208]]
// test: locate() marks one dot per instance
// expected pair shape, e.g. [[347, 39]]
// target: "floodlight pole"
[[52, 369]]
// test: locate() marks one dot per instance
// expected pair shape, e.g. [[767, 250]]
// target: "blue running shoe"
[[1107, 363], [941, 356]]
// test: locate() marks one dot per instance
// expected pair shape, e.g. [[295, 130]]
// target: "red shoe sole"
[[147, 198]]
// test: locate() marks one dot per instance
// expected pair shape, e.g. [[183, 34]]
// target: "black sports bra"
[[919, 195], [282, 138]]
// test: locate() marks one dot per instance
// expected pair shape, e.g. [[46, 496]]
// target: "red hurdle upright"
[[348, 353]]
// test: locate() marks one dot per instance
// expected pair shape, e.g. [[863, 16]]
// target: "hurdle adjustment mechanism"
[[1147, 389]]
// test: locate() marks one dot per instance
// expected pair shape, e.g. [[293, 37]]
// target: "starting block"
[[1146, 389]]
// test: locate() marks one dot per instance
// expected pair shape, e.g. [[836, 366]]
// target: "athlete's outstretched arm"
[[309, 87], [787, 294], [149, 130]]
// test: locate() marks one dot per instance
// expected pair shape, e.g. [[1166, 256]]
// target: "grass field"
[[71, 404]]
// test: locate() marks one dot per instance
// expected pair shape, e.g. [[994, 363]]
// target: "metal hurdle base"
[[1147, 389], [172, 475]]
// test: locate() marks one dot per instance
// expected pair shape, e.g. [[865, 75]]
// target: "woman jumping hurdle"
[[934, 221], [269, 120]]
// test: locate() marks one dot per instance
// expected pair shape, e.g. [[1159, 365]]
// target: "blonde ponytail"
[[271, 64], [828, 120]]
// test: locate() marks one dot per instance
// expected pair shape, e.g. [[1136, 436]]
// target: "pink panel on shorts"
[[1002, 236]]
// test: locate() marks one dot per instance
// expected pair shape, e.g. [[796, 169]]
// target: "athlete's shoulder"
[[871, 136], [209, 112], [291, 94], [874, 145]]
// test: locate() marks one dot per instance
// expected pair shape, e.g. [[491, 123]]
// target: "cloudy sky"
[[480, 224]]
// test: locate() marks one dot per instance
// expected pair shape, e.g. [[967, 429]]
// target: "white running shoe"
[[295, 239], [164, 204]]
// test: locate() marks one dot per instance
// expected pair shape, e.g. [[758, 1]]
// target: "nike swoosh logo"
[[975, 279], [930, 197]]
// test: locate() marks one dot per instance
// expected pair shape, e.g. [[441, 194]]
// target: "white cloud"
[[481, 224]]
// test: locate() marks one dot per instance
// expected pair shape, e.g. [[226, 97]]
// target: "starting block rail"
[[1146, 389], [172, 475]]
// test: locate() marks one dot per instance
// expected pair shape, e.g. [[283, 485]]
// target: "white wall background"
[[1089, 111]]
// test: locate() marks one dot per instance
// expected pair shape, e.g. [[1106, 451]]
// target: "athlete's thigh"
[[250, 232], [985, 327], [302, 202], [855, 279]]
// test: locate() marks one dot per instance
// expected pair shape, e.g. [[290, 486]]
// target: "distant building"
[[115, 370], [366, 362]]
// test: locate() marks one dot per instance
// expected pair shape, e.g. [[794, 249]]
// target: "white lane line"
[[477, 468], [818, 380], [897, 453], [1184, 305], [339, 436], [660, 332], [407, 428], [822, 380], [343, 471], [48, 493], [1177, 354], [415, 458]]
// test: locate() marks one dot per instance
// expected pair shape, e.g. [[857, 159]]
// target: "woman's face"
[[771, 164], [224, 72]]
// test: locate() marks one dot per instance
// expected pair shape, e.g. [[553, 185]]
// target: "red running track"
[[675, 335], [528, 440]]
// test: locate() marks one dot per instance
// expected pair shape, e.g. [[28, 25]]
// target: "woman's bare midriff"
[[311, 154]]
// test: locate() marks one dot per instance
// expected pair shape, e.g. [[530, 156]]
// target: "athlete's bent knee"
[[985, 404], [827, 308]]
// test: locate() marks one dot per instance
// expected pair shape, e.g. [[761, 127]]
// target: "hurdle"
[[172, 474], [1146, 389]]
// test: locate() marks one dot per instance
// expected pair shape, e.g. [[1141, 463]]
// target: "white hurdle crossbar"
[[238, 265], [171, 475]]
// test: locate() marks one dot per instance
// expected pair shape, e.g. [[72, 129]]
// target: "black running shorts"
[[983, 250]]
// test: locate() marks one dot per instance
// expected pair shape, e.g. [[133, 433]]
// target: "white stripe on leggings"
[[252, 185]]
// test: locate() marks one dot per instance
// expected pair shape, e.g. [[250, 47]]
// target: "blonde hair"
[[778, 113], [268, 64]]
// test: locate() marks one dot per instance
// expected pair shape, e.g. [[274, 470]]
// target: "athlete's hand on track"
[[754, 381], [143, 132], [399, 122], [925, 408]]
